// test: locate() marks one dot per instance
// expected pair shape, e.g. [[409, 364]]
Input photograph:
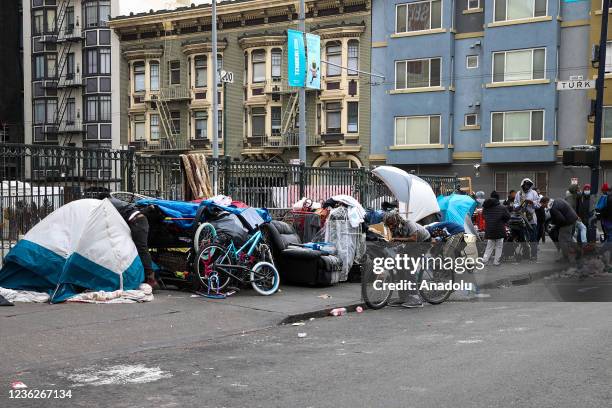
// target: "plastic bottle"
[[340, 311]]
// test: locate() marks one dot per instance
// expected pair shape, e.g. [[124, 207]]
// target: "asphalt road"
[[460, 354]]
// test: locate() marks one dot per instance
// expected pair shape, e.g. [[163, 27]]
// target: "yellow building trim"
[[379, 44], [473, 11], [378, 157], [476, 127], [599, 12], [467, 155], [517, 83], [520, 21], [475, 34], [417, 33], [519, 144], [418, 90], [417, 147], [575, 23]]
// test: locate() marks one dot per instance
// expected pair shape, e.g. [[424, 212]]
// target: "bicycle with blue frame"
[[217, 265]]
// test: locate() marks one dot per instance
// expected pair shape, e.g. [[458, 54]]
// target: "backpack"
[[601, 208]]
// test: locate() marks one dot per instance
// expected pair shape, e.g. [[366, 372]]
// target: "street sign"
[[227, 77], [575, 85]]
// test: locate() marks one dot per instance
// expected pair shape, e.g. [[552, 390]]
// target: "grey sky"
[[127, 6]]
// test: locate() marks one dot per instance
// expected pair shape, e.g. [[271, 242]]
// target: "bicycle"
[[216, 266], [376, 291]]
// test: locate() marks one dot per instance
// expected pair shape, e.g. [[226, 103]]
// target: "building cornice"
[[264, 40], [201, 47], [338, 31], [143, 53]]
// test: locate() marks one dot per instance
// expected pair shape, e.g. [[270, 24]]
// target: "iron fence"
[[38, 179]]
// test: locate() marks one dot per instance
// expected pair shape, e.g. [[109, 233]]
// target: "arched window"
[[334, 58]]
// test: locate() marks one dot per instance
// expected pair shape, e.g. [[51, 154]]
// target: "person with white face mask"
[[585, 209]]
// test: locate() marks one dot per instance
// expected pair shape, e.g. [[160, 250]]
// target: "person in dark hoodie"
[[563, 217], [496, 216]]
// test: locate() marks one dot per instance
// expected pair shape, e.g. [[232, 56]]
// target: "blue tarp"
[[455, 207]]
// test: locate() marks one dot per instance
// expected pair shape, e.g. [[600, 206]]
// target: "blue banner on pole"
[[313, 47], [296, 58]]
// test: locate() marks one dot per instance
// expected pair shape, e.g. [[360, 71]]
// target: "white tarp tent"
[[415, 196]]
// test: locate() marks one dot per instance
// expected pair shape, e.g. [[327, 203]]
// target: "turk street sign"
[[575, 85]]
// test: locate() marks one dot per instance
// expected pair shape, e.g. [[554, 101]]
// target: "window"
[[276, 120], [39, 112], [51, 65], [154, 127], [258, 62], [519, 9], [154, 76], [334, 56], [607, 122], [201, 71], [92, 61], [519, 126], [139, 77], [70, 111], [201, 125], [520, 65], [353, 117], [220, 122], [258, 122], [91, 106], [38, 22], [175, 72], [318, 118], [139, 127], [70, 66], [91, 14], [471, 61], [418, 16], [473, 4], [175, 117], [69, 20], [104, 13], [50, 21], [105, 108], [353, 57], [417, 73], [506, 181], [417, 130], [105, 61], [51, 111], [39, 67], [608, 57], [471, 119], [333, 117], [277, 58]]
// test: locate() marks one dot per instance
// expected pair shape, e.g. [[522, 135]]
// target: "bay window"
[[333, 52], [91, 61], [352, 117], [201, 71], [506, 10], [417, 130], [51, 111], [91, 109], [139, 77], [38, 24], [519, 65], [277, 58], [258, 65], [258, 122], [418, 16], [422, 73], [105, 108], [517, 126], [276, 120], [39, 67], [139, 127], [333, 117], [39, 111]]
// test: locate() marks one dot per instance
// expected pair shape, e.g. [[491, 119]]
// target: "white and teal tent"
[[85, 244]]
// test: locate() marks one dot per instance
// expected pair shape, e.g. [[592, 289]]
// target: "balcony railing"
[[290, 140], [70, 34], [70, 80], [71, 126], [178, 144], [174, 93]]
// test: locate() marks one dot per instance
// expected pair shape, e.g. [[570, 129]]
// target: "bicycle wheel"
[[437, 282], [265, 278], [374, 292], [205, 235], [210, 262]]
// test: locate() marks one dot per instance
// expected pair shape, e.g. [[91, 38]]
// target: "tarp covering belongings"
[[455, 207], [415, 196], [83, 245]]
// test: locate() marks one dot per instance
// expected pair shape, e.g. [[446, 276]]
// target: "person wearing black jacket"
[[496, 216], [564, 218]]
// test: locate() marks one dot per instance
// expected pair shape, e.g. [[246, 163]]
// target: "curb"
[[319, 313], [519, 281]]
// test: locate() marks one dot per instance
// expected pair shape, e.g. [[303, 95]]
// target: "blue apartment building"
[[470, 89]]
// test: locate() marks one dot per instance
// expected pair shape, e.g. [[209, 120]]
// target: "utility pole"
[[599, 86], [215, 97], [302, 91]]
